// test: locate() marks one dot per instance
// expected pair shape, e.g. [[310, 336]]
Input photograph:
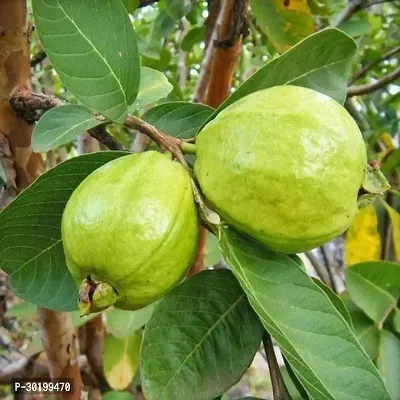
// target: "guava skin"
[[283, 165], [133, 224]]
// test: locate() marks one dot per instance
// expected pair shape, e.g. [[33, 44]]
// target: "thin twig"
[[371, 87], [174, 146], [31, 106], [100, 133], [363, 71], [318, 267], [329, 268], [38, 58], [374, 3], [182, 65], [356, 6], [278, 386]]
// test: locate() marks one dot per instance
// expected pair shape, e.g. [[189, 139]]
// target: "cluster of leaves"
[[198, 343]]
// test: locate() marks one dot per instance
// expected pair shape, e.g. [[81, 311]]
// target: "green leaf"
[[314, 337], [291, 387], [367, 332], [123, 323], [179, 119], [35, 346], [153, 86], [250, 398], [62, 125], [389, 362], [390, 162], [92, 46], [27, 309], [320, 62], [115, 395], [161, 63], [162, 27], [177, 9], [200, 340], [374, 287], [299, 390], [31, 250], [130, 5], [284, 23], [121, 360], [78, 321], [396, 320], [356, 27], [195, 35], [213, 254], [336, 301], [24, 309]]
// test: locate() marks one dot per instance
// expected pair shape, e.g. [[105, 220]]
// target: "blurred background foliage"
[[173, 36]]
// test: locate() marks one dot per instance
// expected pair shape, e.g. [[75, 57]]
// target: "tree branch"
[[278, 386], [371, 87], [318, 267], [174, 146], [229, 30], [364, 70], [356, 6], [211, 35], [95, 331], [61, 346], [328, 266], [374, 3], [30, 106], [38, 58]]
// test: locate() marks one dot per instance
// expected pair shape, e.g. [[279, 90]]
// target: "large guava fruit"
[[130, 231], [283, 165]]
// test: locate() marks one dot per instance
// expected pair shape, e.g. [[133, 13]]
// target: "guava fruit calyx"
[[373, 186], [95, 296]]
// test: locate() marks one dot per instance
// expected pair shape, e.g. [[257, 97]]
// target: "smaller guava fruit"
[[283, 165], [129, 231]]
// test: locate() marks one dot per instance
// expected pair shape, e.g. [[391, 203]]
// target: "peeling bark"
[[95, 337], [61, 345], [20, 164]]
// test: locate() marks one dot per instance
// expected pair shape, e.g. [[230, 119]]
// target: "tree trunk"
[[22, 166]]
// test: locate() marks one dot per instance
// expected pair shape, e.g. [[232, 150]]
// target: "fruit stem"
[[95, 296], [188, 148]]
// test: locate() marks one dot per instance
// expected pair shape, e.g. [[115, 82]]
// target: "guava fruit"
[[129, 231], [283, 165]]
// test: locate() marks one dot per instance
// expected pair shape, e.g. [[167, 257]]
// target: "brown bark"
[[61, 346], [220, 62], [95, 336], [227, 50], [22, 166]]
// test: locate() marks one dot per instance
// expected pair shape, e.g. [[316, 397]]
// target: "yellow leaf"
[[121, 360], [395, 218], [387, 140], [381, 155], [363, 242], [285, 22]]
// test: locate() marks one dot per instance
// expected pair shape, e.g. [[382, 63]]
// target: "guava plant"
[[279, 168]]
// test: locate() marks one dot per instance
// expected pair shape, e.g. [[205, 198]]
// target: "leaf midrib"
[[254, 298], [207, 334], [96, 50]]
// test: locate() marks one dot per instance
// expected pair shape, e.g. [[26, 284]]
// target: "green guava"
[[283, 165], [130, 231]]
